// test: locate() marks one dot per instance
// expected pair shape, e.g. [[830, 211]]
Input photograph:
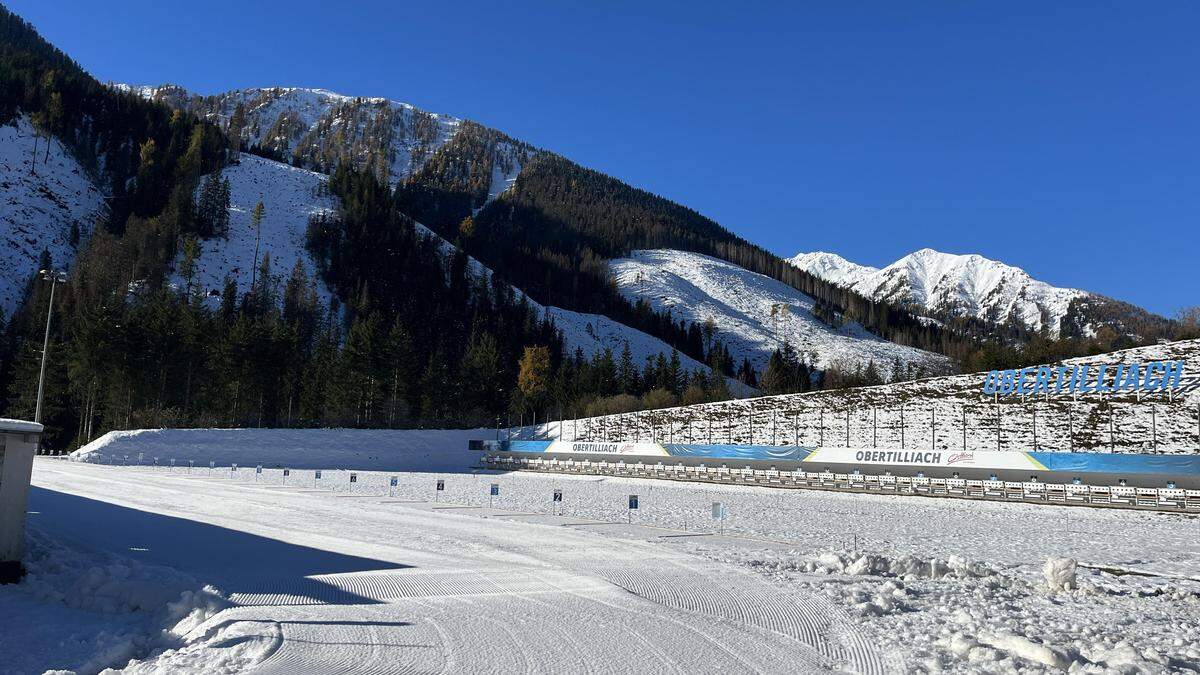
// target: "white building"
[[18, 443]]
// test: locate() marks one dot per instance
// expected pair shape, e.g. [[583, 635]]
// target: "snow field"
[[435, 589], [936, 584]]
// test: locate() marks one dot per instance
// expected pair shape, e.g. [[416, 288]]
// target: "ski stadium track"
[[326, 583]]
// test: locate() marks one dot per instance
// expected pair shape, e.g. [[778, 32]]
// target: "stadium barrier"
[[1153, 482]]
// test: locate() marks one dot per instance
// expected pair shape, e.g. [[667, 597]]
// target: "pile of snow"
[[89, 610], [290, 196], [378, 449], [1059, 574], [41, 198], [969, 285], [754, 314]]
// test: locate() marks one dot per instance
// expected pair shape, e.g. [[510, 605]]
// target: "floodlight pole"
[[55, 278]]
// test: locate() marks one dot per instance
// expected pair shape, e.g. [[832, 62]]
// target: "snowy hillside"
[[946, 283], [595, 332], [39, 205], [947, 413], [696, 287], [324, 128], [289, 196]]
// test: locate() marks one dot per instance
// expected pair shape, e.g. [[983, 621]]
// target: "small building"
[[18, 443]]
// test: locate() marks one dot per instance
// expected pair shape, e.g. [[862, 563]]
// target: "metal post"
[[874, 427], [901, 426], [964, 426], [821, 434], [774, 427], [933, 429], [1112, 440], [847, 427], [1153, 428], [796, 426], [1070, 427], [750, 418], [997, 423], [53, 277], [1035, 446]]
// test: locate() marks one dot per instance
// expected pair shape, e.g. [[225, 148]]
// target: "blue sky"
[[1060, 137]]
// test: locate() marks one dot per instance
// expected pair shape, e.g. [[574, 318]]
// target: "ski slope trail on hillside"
[[336, 582], [754, 314]]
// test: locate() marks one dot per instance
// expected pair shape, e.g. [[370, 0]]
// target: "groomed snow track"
[[338, 582]]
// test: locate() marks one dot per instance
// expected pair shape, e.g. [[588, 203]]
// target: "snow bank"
[[373, 449], [86, 610], [1059, 574]]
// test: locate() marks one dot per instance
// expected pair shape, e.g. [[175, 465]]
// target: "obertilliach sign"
[[1156, 376]]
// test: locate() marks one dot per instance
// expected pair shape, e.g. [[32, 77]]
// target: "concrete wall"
[[19, 441]]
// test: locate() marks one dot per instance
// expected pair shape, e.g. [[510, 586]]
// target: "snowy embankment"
[[374, 449], [754, 314], [88, 610], [42, 197], [946, 413]]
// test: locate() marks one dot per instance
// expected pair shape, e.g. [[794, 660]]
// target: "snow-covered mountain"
[[322, 129], [47, 202], [291, 196], [952, 285], [754, 314]]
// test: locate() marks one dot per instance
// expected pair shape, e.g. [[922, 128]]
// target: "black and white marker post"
[[633, 505]]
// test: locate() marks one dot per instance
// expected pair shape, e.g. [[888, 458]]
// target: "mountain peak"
[[952, 284]]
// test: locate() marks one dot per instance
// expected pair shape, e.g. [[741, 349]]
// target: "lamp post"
[[55, 278]]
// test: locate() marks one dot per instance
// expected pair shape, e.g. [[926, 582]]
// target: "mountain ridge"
[[948, 284]]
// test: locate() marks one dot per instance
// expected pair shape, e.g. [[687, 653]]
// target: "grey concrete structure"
[[18, 443]]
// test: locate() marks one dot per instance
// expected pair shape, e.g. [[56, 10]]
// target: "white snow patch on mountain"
[[290, 196], [831, 267], [754, 314], [962, 285], [593, 333], [38, 206]]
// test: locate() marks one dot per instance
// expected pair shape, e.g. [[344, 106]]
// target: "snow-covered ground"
[[955, 284], [38, 206], [290, 196], [754, 314], [328, 576], [947, 413], [379, 449]]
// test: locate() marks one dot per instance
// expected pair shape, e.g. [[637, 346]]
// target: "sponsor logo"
[[898, 457], [611, 448], [961, 458]]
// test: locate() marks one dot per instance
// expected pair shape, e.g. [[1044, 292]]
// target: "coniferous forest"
[[413, 336]]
